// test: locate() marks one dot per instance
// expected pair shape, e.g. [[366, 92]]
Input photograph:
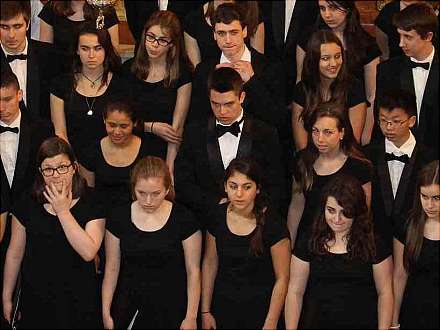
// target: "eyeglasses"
[[392, 123], [160, 41], [62, 169]]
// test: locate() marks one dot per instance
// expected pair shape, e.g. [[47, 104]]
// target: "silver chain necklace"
[[90, 106], [92, 82]]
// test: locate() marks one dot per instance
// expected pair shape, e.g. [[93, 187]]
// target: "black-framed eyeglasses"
[[397, 123], [62, 169], [160, 41]]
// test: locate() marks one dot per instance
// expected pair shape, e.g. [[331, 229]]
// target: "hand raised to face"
[[59, 200]]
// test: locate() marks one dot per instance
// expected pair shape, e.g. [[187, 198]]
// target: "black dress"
[[156, 102], [65, 32], [420, 303], [59, 288], [340, 293], [112, 183], [152, 276], [384, 21], [352, 166], [86, 127], [244, 283]]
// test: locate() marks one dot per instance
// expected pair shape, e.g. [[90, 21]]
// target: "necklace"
[[92, 82], [90, 106]]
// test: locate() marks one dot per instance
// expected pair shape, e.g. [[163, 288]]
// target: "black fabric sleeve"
[[189, 23], [362, 170], [372, 50], [299, 96], [188, 222], [21, 208], [275, 230], [62, 86], [301, 249], [400, 232], [110, 18], [383, 250], [185, 75], [96, 209], [116, 218], [47, 14], [90, 156], [356, 93]]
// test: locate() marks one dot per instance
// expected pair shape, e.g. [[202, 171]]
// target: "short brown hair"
[[225, 80], [8, 79], [11, 9], [419, 17], [226, 13]]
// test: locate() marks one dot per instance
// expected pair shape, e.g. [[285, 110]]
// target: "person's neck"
[[341, 239], [123, 145], [92, 73], [244, 213], [334, 155], [77, 5], [236, 57], [424, 52], [402, 140], [158, 63]]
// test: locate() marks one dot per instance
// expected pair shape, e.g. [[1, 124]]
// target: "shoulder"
[[373, 149], [393, 63], [260, 129], [204, 67]]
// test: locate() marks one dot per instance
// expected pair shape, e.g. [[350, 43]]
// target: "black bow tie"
[[390, 156], [11, 58], [234, 129], [424, 65], [8, 129]]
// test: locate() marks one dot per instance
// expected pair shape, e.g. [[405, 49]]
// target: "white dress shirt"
[[290, 5], [246, 56], [229, 143], [9, 148], [19, 67], [420, 77], [36, 7], [162, 4], [395, 167]]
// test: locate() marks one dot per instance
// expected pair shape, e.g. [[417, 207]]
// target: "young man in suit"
[[415, 72], [208, 147], [396, 158], [31, 61]]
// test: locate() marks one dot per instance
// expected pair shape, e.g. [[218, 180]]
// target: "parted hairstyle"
[[252, 170], [311, 75], [152, 167], [52, 147], [225, 80], [128, 108], [8, 79], [176, 55], [11, 9], [398, 98], [419, 17], [348, 192], [348, 145], [427, 176]]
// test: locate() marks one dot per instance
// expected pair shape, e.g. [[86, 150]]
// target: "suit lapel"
[[23, 151], [33, 81], [213, 151], [245, 144], [429, 94], [404, 182], [385, 181], [278, 22]]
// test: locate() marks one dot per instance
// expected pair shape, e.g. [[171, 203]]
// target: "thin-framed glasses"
[[160, 41], [392, 123], [62, 169]]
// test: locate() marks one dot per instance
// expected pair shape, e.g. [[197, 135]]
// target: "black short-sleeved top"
[[420, 303], [352, 166], [59, 288], [83, 129], [340, 293], [241, 275], [65, 30], [156, 102], [112, 183], [384, 21]]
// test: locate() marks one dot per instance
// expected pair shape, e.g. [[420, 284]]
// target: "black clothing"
[[420, 303], [243, 280], [156, 102], [59, 288], [340, 293], [384, 21], [65, 32], [396, 73], [112, 183], [83, 128], [152, 277]]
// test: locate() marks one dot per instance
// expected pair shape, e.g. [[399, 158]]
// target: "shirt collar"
[[24, 52], [236, 120], [15, 123], [246, 56], [407, 148], [429, 59]]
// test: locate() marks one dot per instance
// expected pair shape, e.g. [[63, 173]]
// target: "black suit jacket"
[[42, 66], [390, 213], [33, 132], [396, 73], [303, 17], [199, 171]]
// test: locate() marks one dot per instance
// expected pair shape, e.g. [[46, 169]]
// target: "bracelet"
[[151, 127], [205, 312], [395, 326]]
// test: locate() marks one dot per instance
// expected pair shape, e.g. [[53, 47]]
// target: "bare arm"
[[193, 50], [300, 54], [299, 132], [383, 276], [299, 275], [114, 36], [367, 191], [58, 116], [400, 276], [14, 257], [112, 266], [192, 248], [209, 273], [3, 219], [46, 32], [358, 115], [294, 214], [382, 42], [179, 117], [280, 253], [370, 70], [257, 40]]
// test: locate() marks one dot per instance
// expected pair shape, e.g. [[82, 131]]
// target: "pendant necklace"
[[92, 82], [90, 105]]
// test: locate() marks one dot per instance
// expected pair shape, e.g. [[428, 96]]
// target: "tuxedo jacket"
[[199, 170], [264, 92], [33, 132], [389, 213], [275, 47], [42, 66], [397, 73]]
